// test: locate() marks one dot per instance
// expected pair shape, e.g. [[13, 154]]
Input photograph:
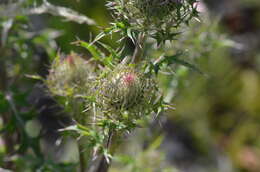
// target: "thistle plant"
[[111, 93]]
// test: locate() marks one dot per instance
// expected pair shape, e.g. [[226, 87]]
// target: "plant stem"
[[82, 142], [104, 165], [82, 157], [99, 162], [8, 139]]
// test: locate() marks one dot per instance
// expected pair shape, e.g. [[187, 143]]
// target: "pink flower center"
[[70, 60], [129, 78]]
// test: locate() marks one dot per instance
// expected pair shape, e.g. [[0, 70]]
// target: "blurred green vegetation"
[[219, 107]]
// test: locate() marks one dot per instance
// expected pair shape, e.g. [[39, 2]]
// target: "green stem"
[[84, 153], [100, 163], [8, 139], [82, 156]]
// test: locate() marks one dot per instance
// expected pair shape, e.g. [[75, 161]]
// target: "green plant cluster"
[[104, 100], [118, 92], [124, 89]]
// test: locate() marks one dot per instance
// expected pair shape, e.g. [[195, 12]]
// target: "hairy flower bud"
[[126, 89], [69, 76], [157, 8]]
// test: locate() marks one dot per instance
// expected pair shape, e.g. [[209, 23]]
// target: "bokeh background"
[[214, 128]]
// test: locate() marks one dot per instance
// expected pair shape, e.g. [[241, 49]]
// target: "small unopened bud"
[[69, 76]]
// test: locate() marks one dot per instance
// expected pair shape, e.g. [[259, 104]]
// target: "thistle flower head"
[[127, 89], [69, 76], [157, 8], [158, 18]]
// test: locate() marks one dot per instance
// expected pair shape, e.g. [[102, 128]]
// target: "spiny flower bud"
[[160, 19], [127, 89], [157, 8], [69, 76]]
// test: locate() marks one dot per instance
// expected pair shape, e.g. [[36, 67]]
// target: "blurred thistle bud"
[[158, 18], [127, 89], [157, 8], [69, 76]]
